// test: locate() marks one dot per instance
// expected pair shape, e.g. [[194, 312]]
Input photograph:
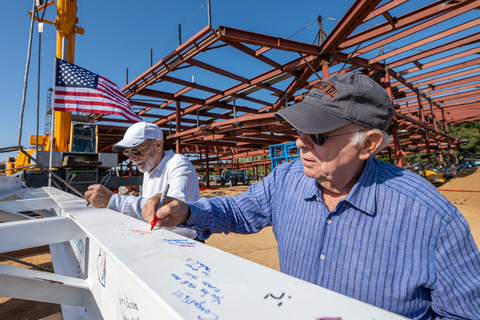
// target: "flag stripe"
[[72, 105], [119, 99], [95, 101], [87, 97], [112, 91]]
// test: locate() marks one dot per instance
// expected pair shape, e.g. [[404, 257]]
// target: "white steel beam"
[[111, 266], [28, 205], [10, 186], [37, 232], [13, 216], [9, 209], [138, 273], [29, 284]]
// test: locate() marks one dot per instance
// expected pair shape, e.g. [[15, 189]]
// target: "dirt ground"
[[467, 202], [260, 248]]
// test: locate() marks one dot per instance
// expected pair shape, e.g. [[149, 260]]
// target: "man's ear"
[[158, 144], [372, 142]]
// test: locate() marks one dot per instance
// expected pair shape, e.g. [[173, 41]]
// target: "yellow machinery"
[[66, 25], [72, 150], [431, 172]]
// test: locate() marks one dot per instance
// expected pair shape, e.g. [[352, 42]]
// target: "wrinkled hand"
[[173, 213], [98, 196]]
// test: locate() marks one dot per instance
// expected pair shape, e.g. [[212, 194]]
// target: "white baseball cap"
[[136, 134]]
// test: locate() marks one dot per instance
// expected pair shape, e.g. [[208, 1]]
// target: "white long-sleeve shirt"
[[174, 169]]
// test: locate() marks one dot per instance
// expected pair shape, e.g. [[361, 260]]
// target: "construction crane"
[[70, 148]]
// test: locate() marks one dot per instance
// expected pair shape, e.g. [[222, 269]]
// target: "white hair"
[[360, 137]]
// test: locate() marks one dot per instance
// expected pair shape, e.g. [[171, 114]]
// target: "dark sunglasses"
[[319, 138], [135, 151]]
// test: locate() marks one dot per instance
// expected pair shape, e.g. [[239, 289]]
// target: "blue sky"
[[119, 35]]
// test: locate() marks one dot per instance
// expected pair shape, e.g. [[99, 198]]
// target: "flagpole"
[[51, 142], [52, 113]]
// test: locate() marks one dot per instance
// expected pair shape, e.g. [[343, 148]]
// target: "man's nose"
[[304, 141]]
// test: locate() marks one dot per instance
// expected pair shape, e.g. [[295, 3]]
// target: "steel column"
[[207, 173], [177, 125], [433, 115], [427, 145], [396, 138], [421, 115], [449, 146]]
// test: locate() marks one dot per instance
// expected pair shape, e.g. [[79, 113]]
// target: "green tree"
[[469, 133]]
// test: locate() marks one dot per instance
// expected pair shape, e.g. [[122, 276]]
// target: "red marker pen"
[[162, 202]]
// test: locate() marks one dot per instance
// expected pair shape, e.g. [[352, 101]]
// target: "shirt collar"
[[312, 190], [363, 194], [168, 154]]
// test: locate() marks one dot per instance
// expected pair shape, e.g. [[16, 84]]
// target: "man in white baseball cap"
[[143, 145]]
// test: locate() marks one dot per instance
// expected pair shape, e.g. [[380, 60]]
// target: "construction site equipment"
[[202, 180], [71, 146], [464, 169], [62, 139], [472, 158], [284, 152], [234, 176], [433, 171]]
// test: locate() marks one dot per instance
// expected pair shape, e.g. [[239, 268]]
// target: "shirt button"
[[322, 257], [318, 199], [329, 221]]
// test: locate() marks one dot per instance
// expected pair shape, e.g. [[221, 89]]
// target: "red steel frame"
[[431, 88]]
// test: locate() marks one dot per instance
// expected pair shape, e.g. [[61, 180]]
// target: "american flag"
[[77, 89]]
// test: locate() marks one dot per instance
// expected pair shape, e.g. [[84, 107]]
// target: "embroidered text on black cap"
[[326, 87]]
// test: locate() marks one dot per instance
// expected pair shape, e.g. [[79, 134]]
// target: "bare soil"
[[260, 247], [467, 202]]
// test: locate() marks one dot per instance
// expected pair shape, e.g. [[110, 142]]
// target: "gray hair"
[[361, 136]]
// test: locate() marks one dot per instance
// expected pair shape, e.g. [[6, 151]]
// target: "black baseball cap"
[[339, 100]]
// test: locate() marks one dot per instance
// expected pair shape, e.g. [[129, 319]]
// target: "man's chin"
[[308, 172], [144, 168], [140, 167]]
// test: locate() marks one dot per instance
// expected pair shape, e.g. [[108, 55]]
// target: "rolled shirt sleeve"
[[247, 213], [129, 205]]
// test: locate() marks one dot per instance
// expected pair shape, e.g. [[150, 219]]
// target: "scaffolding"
[[284, 152]]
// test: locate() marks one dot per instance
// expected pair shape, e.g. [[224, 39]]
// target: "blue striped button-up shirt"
[[394, 242]]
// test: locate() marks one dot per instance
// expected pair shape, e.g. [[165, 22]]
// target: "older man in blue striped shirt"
[[346, 221]]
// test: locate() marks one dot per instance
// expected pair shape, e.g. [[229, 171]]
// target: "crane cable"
[[26, 263], [40, 20], [25, 80]]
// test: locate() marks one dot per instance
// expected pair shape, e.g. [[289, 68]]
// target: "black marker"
[[105, 180]]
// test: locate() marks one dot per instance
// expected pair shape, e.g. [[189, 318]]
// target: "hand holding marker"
[[161, 203], [105, 179]]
